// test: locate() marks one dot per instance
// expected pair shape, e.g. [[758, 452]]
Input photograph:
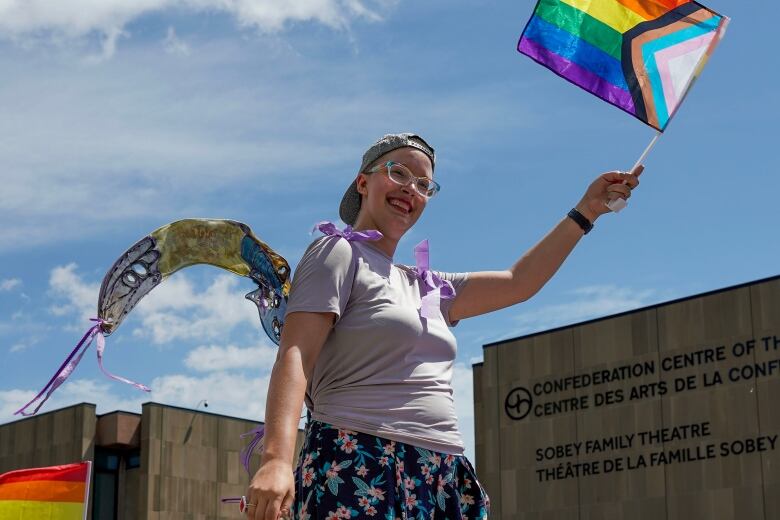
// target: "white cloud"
[[216, 358], [8, 284], [176, 310], [229, 393], [586, 303], [18, 347], [77, 296], [68, 19], [173, 45], [85, 150], [74, 391], [108, 45]]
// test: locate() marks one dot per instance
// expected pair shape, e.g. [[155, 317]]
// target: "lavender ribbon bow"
[[257, 434], [330, 229], [435, 288], [69, 365]]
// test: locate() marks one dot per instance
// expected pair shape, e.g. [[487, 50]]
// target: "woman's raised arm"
[[487, 291]]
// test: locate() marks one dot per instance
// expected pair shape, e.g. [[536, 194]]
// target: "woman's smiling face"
[[386, 205]]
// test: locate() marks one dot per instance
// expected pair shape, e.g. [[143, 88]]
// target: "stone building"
[[666, 412], [165, 463]]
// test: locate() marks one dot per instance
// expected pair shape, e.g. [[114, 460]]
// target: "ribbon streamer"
[[101, 346], [435, 288], [71, 362], [257, 434], [330, 229]]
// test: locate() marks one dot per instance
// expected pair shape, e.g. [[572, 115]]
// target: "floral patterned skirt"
[[344, 474]]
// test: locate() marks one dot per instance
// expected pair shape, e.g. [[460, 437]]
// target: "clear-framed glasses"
[[402, 175]]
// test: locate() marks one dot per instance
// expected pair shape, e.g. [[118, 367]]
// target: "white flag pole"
[[617, 204]]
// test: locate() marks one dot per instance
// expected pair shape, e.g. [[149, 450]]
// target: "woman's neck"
[[385, 244]]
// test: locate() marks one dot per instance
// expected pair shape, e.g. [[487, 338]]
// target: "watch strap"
[[581, 221]]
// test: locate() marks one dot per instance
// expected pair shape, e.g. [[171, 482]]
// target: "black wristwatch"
[[581, 221]]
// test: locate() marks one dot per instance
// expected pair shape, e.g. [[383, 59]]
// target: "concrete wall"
[[731, 469], [181, 480], [189, 459], [62, 436]]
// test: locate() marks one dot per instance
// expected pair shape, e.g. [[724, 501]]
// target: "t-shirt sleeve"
[[458, 281], [322, 281]]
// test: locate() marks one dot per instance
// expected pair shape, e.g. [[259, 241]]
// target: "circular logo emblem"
[[518, 403]]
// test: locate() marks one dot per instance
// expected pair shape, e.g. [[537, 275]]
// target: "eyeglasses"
[[402, 175]]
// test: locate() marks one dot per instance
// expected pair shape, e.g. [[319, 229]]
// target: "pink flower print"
[[429, 479], [333, 471], [435, 460], [364, 502], [333, 516], [399, 468], [362, 470], [345, 433], [343, 512], [466, 500], [440, 485], [307, 460], [425, 470], [390, 448], [377, 493], [371, 511], [409, 483], [449, 460], [411, 501], [308, 477], [466, 482], [383, 461], [349, 445]]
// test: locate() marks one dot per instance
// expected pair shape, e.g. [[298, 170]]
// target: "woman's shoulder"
[[328, 250], [330, 243]]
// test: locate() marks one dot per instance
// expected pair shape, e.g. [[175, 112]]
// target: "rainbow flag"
[[53, 493], [639, 55]]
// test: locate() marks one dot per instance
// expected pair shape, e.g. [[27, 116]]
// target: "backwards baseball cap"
[[350, 203]]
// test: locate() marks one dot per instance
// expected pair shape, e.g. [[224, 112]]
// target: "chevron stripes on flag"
[[639, 55]]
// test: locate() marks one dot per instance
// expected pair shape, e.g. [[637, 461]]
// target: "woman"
[[373, 359]]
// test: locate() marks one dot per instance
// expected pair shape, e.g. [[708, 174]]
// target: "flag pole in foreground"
[[639, 55], [617, 204]]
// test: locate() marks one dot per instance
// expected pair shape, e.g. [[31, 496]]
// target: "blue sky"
[[121, 117]]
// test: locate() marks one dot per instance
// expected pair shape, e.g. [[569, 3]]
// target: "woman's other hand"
[[271, 492], [607, 187]]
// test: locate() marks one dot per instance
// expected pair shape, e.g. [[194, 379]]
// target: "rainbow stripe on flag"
[[639, 55], [53, 493]]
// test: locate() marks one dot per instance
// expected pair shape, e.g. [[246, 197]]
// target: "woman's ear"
[[362, 184]]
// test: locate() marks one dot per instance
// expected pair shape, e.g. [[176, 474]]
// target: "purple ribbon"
[[435, 288], [257, 441], [330, 229], [101, 346], [69, 365]]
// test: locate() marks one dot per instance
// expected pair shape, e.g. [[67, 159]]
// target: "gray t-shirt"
[[383, 370]]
